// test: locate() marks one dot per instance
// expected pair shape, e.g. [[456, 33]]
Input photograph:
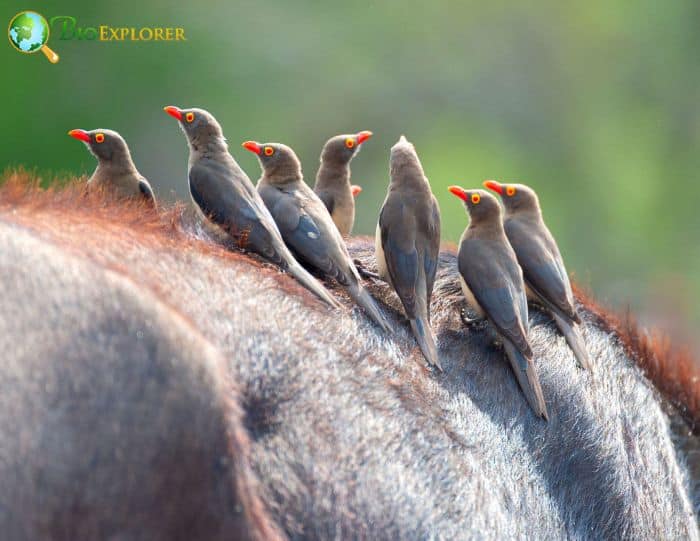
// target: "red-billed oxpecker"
[[333, 178], [493, 284], [407, 242], [546, 280], [115, 170], [227, 197], [305, 223]]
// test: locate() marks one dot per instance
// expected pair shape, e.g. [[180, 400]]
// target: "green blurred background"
[[594, 104]]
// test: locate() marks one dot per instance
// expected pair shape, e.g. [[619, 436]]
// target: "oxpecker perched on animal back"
[[408, 242], [227, 197], [333, 178], [493, 284], [115, 171], [543, 267], [305, 223]]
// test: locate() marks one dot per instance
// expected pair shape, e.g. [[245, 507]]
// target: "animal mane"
[[673, 370], [336, 429]]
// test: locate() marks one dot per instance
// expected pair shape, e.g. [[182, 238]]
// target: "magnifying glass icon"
[[28, 33]]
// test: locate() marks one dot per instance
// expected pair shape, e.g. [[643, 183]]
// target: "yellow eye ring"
[[510, 191], [100, 138], [189, 117], [350, 143], [476, 198], [269, 151]]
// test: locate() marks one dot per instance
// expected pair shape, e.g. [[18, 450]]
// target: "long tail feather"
[[365, 300], [426, 340], [573, 337], [313, 285], [527, 378]]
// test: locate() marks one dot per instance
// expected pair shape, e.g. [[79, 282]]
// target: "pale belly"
[[379, 256], [344, 217], [471, 300], [531, 295], [122, 186]]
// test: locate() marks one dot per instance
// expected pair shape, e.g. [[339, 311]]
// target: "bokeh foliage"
[[595, 104]]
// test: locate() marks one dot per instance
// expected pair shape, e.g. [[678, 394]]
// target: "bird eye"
[[100, 138], [510, 190], [269, 151], [349, 142], [189, 117], [476, 198]]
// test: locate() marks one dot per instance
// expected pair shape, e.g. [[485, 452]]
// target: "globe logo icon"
[[28, 33]]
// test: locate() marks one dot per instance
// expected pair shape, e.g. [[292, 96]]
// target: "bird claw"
[[364, 272], [436, 367], [470, 322]]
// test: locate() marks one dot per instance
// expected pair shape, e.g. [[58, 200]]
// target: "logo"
[[29, 32]]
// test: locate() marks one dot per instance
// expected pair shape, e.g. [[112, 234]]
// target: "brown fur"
[[84, 224], [672, 369], [101, 217]]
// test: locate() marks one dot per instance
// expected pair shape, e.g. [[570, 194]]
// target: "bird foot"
[[364, 272], [471, 322]]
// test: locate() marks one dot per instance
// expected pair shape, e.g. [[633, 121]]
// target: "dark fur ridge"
[[157, 385]]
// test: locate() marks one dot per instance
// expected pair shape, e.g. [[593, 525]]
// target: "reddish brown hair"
[[672, 369]]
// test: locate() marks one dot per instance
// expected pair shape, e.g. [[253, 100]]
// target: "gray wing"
[[432, 252], [302, 232], [147, 192], [238, 213], [543, 269], [495, 286], [327, 199], [397, 229]]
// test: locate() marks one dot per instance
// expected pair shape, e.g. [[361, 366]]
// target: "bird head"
[[404, 164], [515, 197], [278, 161], [105, 145], [200, 126], [480, 204], [342, 148]]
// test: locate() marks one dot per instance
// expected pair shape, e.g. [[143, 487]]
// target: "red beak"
[[459, 192], [495, 186], [355, 189], [81, 135], [363, 136], [253, 147], [173, 111]]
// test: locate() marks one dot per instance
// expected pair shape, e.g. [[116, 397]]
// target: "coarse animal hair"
[[145, 361]]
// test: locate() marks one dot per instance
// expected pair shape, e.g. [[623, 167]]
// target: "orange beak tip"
[[458, 191], [252, 146], [363, 136], [80, 135], [493, 185], [173, 111]]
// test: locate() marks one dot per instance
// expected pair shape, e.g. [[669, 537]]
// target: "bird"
[[305, 223], [227, 197], [546, 280], [333, 178], [407, 242], [115, 170], [492, 282]]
